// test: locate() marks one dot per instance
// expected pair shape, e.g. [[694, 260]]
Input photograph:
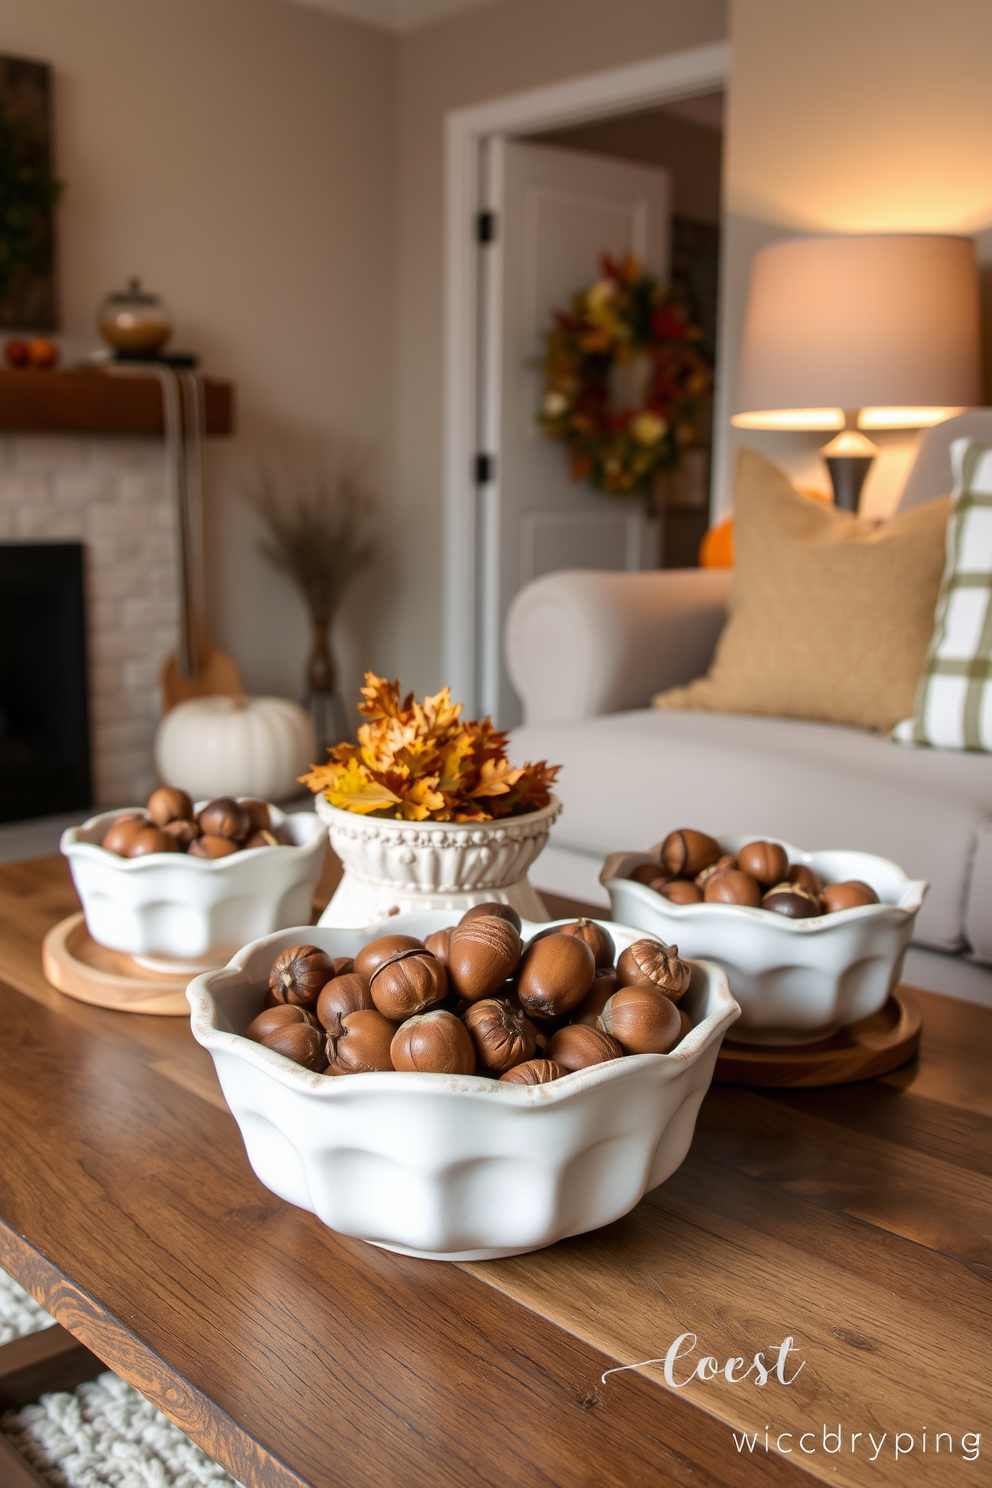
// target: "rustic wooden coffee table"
[[856, 1222]]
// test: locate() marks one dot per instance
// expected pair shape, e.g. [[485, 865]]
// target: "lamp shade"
[[886, 324]]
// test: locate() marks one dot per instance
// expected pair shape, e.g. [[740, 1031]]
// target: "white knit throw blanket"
[[103, 1435], [20, 1314], [107, 1435]]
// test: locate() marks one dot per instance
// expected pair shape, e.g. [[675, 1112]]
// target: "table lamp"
[[875, 331]]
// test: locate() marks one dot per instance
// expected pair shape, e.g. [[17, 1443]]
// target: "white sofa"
[[586, 650]]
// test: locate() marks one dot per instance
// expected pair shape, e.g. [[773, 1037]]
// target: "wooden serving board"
[[74, 963], [872, 1047]]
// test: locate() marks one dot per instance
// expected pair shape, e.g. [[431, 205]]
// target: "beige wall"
[[484, 54], [239, 156], [653, 137], [851, 117], [278, 174]]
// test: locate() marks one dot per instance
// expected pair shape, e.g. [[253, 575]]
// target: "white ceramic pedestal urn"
[[399, 867]]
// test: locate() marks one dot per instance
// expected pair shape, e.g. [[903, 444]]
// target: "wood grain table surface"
[[853, 1221]]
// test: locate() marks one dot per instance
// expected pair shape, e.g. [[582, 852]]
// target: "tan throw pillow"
[[830, 616]]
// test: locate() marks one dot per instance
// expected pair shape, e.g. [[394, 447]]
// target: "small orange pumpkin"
[[717, 547]]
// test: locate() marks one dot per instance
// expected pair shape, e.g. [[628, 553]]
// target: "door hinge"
[[485, 227], [484, 468]]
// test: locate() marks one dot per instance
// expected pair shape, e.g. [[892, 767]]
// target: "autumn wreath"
[[625, 318]]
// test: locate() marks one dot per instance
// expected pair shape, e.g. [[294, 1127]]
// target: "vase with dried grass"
[[318, 533]]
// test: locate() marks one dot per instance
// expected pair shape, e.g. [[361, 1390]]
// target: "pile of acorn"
[[474, 999], [169, 824], [694, 869]]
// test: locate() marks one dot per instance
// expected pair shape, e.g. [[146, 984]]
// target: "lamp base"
[[847, 476]]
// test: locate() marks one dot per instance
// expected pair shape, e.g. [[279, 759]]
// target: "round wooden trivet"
[[80, 968], [860, 1052]]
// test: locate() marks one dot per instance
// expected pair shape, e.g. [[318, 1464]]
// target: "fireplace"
[[109, 498], [44, 715]]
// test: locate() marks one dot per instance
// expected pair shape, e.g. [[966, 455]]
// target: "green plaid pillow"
[[954, 698]]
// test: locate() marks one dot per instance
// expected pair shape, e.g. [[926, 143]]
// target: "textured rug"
[[20, 1314], [105, 1434]]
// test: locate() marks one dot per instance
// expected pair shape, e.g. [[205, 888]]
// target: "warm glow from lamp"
[[791, 418], [904, 418], [883, 323], [849, 444]]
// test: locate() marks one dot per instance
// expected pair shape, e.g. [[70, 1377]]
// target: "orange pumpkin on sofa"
[[717, 547]]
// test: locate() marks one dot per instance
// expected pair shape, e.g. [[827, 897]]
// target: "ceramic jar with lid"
[[135, 323]]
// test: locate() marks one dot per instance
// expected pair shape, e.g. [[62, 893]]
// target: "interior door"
[[556, 212]]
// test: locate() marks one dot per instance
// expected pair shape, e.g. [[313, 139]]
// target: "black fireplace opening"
[[44, 716]]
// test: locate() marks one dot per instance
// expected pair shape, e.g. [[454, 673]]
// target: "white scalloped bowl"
[[797, 981], [454, 1167], [400, 867], [188, 913]]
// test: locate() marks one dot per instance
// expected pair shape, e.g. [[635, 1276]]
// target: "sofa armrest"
[[580, 642]]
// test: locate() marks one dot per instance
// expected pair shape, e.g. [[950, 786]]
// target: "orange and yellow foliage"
[[419, 762]]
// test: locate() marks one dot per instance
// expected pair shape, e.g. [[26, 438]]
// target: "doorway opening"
[[684, 138], [539, 186]]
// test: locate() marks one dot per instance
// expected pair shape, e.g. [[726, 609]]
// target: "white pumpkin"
[[235, 746]]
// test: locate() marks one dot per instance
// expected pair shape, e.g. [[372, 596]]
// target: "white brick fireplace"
[[109, 494]]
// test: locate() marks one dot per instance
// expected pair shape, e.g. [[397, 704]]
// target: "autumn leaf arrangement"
[[420, 762]]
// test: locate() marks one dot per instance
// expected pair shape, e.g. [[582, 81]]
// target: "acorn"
[[439, 944], [604, 984], [851, 894], [680, 891], [277, 1017], [793, 901], [167, 805], [225, 817], [482, 953], [434, 1043], [210, 845], [599, 941], [765, 861], [150, 840], [376, 952], [259, 815], [652, 964], [577, 1046], [733, 886], [300, 1042], [344, 994], [686, 852], [556, 972], [409, 983], [502, 1033], [298, 974], [725, 860], [804, 876], [641, 1021], [262, 838], [122, 831], [533, 1072], [501, 911], [185, 832], [362, 1046]]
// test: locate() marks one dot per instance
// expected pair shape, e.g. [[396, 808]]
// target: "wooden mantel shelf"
[[93, 401]]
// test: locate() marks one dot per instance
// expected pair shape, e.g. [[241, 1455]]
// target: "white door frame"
[[618, 90]]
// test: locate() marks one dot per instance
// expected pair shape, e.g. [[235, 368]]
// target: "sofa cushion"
[[978, 917], [629, 778], [830, 616]]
